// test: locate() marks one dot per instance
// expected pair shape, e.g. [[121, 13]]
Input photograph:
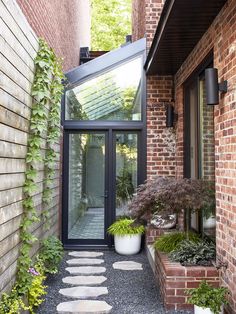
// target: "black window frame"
[[194, 78]]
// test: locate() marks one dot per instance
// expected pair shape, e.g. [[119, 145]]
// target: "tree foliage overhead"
[[111, 22]]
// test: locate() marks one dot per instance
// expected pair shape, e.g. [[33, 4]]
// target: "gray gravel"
[[129, 292]]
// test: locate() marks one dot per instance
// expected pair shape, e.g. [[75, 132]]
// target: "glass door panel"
[[86, 202], [126, 169]]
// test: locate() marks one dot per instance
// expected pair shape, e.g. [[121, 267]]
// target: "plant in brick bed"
[[190, 253], [207, 299], [169, 242], [170, 195]]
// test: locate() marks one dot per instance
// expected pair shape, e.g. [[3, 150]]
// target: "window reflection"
[[126, 170], [114, 95], [86, 186], [207, 151]]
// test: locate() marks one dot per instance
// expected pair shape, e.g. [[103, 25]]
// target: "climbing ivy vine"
[[44, 127]]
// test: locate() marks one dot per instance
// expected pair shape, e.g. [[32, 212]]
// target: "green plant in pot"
[[127, 236], [207, 299]]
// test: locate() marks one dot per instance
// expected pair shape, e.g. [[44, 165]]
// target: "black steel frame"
[[110, 128]]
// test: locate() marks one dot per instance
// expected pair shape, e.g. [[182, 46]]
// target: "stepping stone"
[[85, 254], [83, 292], [85, 261], [128, 265], [84, 280], [84, 307], [86, 270]]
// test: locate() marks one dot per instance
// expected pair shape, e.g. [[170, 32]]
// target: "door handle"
[[105, 194]]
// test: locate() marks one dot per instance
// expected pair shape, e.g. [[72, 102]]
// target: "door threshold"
[[87, 247]]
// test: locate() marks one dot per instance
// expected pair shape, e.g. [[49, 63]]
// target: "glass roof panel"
[[113, 95]]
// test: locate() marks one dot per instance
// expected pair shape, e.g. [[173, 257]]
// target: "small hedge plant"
[[171, 241], [206, 296], [124, 227], [194, 253], [51, 254]]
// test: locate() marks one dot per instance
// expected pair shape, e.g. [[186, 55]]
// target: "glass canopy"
[[113, 95]]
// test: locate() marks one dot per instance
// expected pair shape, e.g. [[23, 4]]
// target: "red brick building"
[[60, 23], [183, 39]]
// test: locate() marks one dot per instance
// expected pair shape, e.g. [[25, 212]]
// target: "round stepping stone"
[[85, 254], [83, 292], [86, 270], [85, 261], [84, 306], [128, 265], [84, 280]]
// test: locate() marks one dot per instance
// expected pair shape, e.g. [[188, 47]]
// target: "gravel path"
[[129, 292]]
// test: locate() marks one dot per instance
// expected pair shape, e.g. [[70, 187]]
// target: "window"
[[199, 145], [112, 95]]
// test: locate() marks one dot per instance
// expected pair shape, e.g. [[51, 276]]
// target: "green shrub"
[[37, 288], [12, 303], [171, 241], [190, 253], [124, 227], [51, 254], [206, 296]]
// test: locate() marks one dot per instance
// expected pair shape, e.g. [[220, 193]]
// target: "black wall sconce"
[[213, 87], [171, 116]]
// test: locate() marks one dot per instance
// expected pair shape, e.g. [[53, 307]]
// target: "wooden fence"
[[18, 47]]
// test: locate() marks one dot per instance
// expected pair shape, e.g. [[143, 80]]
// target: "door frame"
[[110, 180]]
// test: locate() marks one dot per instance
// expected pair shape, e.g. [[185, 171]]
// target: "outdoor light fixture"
[[213, 87], [170, 116]]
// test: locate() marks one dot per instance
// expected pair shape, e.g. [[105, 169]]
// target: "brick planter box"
[[173, 279], [152, 234]]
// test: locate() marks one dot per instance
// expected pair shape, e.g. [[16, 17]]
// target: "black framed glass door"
[[101, 175], [86, 191], [104, 122]]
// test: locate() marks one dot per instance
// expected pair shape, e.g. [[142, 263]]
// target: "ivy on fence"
[[43, 136]]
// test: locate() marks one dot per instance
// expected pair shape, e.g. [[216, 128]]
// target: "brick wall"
[[221, 37], [146, 14], [138, 18], [174, 279], [58, 22], [160, 140]]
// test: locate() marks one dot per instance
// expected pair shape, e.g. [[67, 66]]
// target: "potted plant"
[[127, 236], [207, 299]]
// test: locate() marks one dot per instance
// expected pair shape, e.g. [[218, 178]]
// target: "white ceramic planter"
[[200, 310], [128, 244], [159, 222], [209, 222]]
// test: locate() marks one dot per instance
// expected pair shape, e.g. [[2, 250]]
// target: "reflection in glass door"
[[126, 169], [86, 199]]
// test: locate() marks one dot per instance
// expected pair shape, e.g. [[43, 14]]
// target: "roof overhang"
[[182, 24]]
